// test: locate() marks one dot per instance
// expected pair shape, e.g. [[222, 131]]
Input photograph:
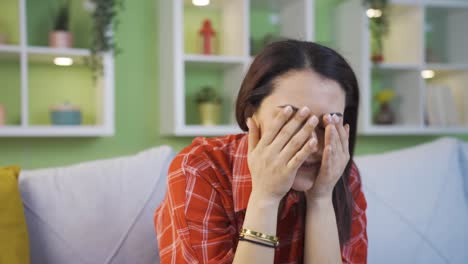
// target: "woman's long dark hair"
[[282, 57]]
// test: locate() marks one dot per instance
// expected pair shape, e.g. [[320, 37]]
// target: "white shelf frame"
[[445, 3], [173, 61], [351, 16], [105, 114], [55, 131], [10, 49]]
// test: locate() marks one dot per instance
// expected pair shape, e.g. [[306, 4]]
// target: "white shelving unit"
[[26, 56], [423, 35], [183, 69]]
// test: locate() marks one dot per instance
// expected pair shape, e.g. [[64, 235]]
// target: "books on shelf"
[[441, 108]]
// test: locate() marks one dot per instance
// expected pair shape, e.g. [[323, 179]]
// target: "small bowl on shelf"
[[65, 114]]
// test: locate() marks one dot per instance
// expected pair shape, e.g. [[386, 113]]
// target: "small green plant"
[[207, 94], [378, 24], [62, 21]]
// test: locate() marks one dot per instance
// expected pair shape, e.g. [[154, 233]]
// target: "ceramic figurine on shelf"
[[207, 34]]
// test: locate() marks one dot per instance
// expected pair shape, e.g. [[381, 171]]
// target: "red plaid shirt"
[[209, 186]]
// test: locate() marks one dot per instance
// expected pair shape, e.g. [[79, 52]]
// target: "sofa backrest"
[[417, 208], [96, 212]]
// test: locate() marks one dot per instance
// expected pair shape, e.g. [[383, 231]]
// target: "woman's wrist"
[[319, 201], [261, 201]]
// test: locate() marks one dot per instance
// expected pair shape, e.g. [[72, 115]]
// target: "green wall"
[[137, 106]]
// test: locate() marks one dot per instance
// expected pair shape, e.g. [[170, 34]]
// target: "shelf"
[[413, 130], [225, 80], [446, 35], [47, 55], [271, 20], [228, 20], [9, 57], [10, 87], [10, 22], [55, 131], [31, 83], [441, 26], [402, 44], [59, 51], [9, 49], [72, 84], [186, 69], [407, 86], [447, 98], [447, 3], [213, 61], [396, 66], [446, 67], [40, 17], [197, 130]]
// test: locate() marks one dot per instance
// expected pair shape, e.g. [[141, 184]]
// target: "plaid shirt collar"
[[242, 182]]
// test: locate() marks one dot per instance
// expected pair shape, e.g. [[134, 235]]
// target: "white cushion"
[[96, 212], [464, 161], [416, 205]]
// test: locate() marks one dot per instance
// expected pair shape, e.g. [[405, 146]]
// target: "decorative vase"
[[2, 115], [209, 113], [385, 115], [60, 39]]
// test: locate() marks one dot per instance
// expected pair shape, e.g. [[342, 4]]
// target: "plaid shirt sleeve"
[[192, 226], [355, 250]]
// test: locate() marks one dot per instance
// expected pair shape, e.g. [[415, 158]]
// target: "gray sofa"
[[102, 211]]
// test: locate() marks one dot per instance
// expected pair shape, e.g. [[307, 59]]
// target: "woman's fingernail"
[[304, 112], [328, 118], [313, 121], [248, 123], [336, 118], [287, 110], [313, 142]]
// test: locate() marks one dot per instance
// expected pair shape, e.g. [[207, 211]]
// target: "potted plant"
[[105, 21], [60, 36], [378, 25], [385, 114], [209, 105]]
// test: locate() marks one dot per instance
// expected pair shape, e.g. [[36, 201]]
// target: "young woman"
[[285, 192]]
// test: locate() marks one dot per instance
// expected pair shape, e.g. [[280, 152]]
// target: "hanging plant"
[[379, 25], [105, 22]]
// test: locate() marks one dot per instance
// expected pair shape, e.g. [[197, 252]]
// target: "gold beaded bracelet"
[[273, 240]]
